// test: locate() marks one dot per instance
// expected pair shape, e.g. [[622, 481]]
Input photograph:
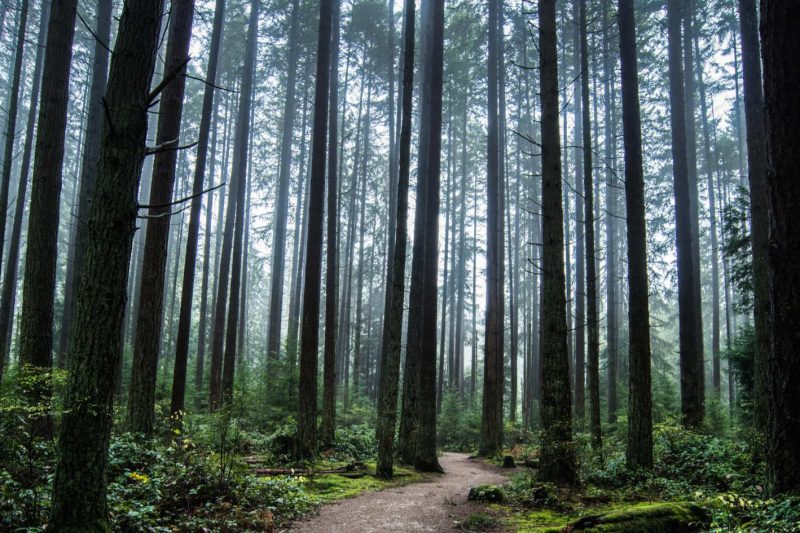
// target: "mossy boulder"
[[488, 493], [654, 518]]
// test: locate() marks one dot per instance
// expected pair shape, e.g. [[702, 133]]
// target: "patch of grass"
[[327, 488], [478, 522]]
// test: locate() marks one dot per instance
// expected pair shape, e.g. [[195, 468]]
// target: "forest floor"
[[438, 503]]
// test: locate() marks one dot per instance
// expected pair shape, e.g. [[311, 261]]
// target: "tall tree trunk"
[[710, 168], [239, 175], [639, 451], [307, 404], [282, 206], [612, 336], [38, 288], [220, 350], [558, 456], [328, 427], [141, 396], [691, 355], [580, 223], [757, 178], [781, 53], [593, 361], [691, 159], [428, 170], [11, 120], [79, 489], [10, 275], [393, 322], [190, 261], [88, 175], [492, 415], [301, 224]]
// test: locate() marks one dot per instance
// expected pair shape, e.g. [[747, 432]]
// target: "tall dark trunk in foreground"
[[428, 170], [88, 176], [781, 54], [190, 261], [309, 336], [332, 272], [282, 208], [492, 416], [593, 359], [757, 177], [557, 463], [10, 275], [393, 322], [38, 288], [239, 175], [79, 489], [691, 355], [639, 451], [147, 338]]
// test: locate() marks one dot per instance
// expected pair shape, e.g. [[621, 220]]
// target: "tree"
[[393, 321], [79, 489], [332, 272], [593, 362], [147, 338], [11, 121], [780, 50], [428, 176], [639, 451], [10, 275], [239, 175], [493, 382], [190, 261], [309, 337], [757, 178], [38, 289], [557, 463], [281, 211], [224, 341], [691, 355], [88, 175]]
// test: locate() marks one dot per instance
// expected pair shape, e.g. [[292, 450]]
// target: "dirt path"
[[427, 506]]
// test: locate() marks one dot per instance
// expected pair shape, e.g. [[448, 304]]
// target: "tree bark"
[[691, 355], [393, 322], [593, 360], [757, 178], [10, 275], [149, 322], [38, 288], [491, 441], [282, 206], [239, 175], [639, 451], [558, 462], [79, 489], [781, 54], [307, 404], [428, 170], [190, 260], [328, 427]]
